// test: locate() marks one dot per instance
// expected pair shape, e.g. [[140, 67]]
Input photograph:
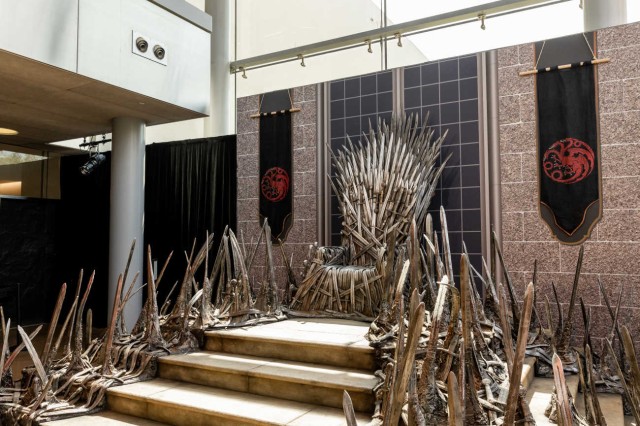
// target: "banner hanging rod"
[[564, 67], [264, 114], [458, 17]]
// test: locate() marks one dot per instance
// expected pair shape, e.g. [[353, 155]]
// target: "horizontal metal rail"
[[457, 17]]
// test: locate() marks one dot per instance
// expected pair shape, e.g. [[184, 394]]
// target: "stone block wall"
[[304, 145], [613, 250]]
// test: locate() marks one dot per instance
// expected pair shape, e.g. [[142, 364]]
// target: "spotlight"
[[159, 51], [94, 161], [142, 44]]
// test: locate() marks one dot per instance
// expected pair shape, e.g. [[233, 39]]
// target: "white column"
[[604, 13], [222, 116], [127, 208]]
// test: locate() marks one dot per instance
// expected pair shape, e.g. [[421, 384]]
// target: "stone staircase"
[[287, 373]]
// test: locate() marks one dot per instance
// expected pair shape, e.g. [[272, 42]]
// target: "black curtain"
[[190, 189], [83, 233], [27, 257]]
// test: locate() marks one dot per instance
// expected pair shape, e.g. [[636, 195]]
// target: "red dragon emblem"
[[568, 161], [275, 184]]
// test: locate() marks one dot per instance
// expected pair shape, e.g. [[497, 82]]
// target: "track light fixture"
[[398, 37], [94, 161], [95, 156], [481, 17]]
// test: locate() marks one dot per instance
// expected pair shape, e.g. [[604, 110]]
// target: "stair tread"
[[316, 332], [230, 404], [289, 371], [539, 395], [104, 418], [610, 404]]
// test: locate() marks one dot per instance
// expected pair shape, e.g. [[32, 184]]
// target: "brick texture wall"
[[612, 251], [303, 231]]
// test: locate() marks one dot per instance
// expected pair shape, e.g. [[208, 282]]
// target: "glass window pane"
[[271, 26], [12, 157], [28, 174], [400, 11], [507, 30], [346, 63]]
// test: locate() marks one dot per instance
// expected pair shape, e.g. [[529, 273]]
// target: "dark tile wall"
[[447, 91], [354, 103]]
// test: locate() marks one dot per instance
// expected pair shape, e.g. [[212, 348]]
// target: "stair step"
[[528, 372], [178, 403], [612, 408], [310, 383], [610, 404], [104, 418], [539, 395], [334, 342]]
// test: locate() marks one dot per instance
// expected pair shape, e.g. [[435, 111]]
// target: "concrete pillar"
[[222, 118], [127, 208], [604, 13]]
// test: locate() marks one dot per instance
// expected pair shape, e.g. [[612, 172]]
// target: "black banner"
[[568, 152], [276, 174]]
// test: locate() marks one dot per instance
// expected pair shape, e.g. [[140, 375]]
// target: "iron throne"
[[382, 182]]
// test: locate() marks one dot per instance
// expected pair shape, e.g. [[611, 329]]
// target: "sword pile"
[[72, 372], [442, 347], [453, 353]]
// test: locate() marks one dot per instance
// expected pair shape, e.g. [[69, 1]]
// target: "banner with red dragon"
[[570, 199], [276, 174]]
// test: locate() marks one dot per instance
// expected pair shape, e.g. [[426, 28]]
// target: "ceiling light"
[[94, 161], [7, 132]]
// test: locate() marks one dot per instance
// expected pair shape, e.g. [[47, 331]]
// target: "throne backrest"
[[383, 182]]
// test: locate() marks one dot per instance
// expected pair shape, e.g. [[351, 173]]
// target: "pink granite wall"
[[613, 250], [304, 132]]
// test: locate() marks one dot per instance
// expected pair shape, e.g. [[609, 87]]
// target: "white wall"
[[189, 129]]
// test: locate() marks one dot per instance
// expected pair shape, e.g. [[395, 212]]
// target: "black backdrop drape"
[[82, 237], [190, 187]]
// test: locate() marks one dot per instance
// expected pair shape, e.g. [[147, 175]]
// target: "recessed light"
[[7, 132]]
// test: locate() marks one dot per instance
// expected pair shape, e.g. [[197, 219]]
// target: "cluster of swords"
[[382, 183], [453, 354], [72, 372]]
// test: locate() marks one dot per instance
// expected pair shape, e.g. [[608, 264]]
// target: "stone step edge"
[[105, 419], [528, 372], [272, 376], [213, 413], [149, 399], [225, 335]]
